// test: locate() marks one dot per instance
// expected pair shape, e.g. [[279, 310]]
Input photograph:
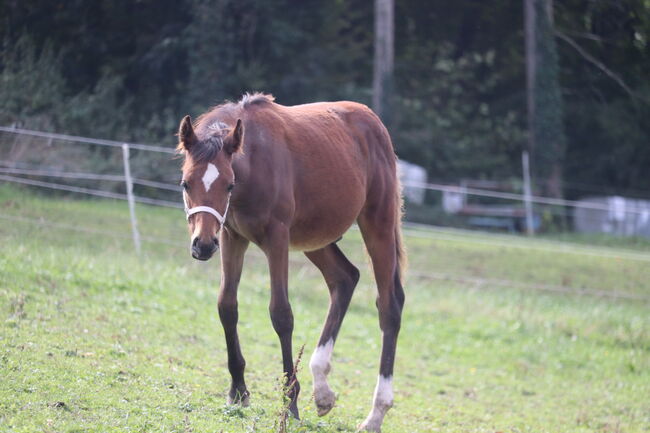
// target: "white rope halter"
[[208, 209], [191, 211]]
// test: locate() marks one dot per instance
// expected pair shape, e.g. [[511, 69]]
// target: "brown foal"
[[297, 178]]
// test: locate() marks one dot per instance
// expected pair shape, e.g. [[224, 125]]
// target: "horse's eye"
[[185, 185], [230, 186]]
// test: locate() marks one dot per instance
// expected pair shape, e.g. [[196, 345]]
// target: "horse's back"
[[349, 129]]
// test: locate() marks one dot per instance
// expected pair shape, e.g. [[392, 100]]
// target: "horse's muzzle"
[[204, 250]]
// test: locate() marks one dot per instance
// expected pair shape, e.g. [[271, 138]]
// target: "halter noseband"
[[212, 211], [208, 209]]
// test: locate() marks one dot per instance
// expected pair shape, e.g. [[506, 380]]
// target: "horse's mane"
[[206, 149], [212, 129], [255, 98], [230, 108]]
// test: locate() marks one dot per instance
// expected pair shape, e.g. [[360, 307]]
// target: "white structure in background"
[[454, 201], [622, 216], [415, 174]]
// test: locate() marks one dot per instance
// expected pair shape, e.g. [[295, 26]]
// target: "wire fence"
[[509, 216], [90, 191], [38, 174], [85, 140], [86, 176], [513, 196], [475, 283]]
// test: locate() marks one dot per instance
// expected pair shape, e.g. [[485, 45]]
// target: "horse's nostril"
[[195, 241], [215, 240]]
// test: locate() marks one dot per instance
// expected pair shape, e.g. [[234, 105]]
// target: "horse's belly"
[[320, 230], [300, 242], [329, 192]]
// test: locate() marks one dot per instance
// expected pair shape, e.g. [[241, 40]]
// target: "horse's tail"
[[400, 250]]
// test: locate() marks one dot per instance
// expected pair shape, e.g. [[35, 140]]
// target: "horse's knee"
[[281, 318], [228, 311]]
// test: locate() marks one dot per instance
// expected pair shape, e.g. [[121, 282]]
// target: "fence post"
[[129, 195], [528, 202]]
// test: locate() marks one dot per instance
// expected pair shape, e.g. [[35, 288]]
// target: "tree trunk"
[[546, 140], [529, 30], [384, 58]]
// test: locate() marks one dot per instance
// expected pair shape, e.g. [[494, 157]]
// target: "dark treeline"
[[130, 69]]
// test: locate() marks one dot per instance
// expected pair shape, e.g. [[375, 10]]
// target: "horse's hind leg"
[[379, 226], [341, 277]]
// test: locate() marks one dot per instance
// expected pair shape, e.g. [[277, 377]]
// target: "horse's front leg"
[[276, 249], [233, 248]]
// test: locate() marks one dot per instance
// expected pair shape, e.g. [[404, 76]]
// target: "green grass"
[[94, 338]]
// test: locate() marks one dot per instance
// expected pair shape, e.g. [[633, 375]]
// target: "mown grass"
[[95, 338]]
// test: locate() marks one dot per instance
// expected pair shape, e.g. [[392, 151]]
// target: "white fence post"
[[129, 195], [528, 202]]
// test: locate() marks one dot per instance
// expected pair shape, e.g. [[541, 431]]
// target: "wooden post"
[[384, 57], [531, 53], [528, 202], [130, 198]]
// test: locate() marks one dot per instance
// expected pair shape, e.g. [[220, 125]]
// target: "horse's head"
[[207, 181]]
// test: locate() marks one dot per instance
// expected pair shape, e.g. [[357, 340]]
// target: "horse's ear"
[[235, 139], [186, 136]]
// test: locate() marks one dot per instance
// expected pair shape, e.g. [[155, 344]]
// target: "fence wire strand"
[[512, 196], [87, 140], [474, 282], [90, 191]]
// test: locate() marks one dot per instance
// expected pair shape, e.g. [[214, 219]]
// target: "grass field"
[[94, 338]]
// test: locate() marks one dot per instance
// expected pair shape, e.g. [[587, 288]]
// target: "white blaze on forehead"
[[211, 174]]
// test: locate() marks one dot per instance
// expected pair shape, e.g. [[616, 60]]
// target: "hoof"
[[293, 410], [324, 399], [370, 426], [239, 398]]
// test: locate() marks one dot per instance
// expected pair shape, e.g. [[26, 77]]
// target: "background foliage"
[[130, 69]]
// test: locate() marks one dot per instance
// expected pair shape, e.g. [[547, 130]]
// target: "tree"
[[382, 83], [546, 140]]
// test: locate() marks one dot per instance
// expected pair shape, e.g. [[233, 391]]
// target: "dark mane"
[[230, 108], [209, 143], [256, 98]]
